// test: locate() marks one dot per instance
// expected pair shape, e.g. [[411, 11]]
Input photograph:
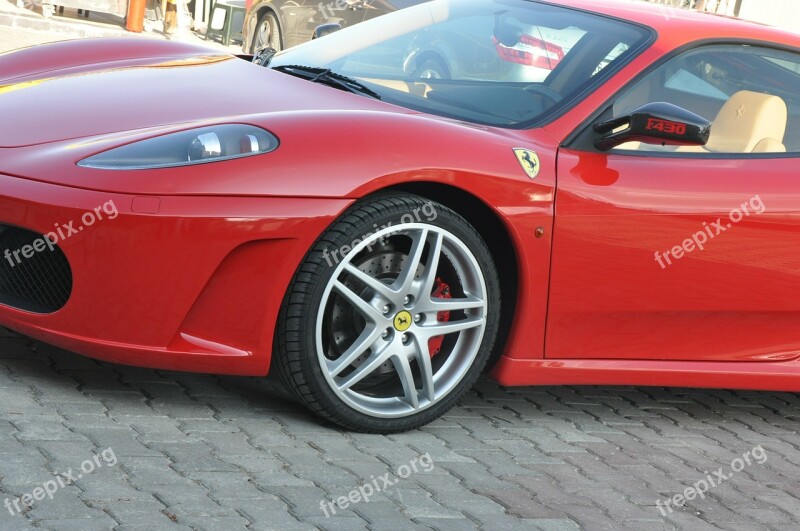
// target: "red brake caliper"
[[441, 291]]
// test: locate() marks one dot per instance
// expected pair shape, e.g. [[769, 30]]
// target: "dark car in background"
[[282, 24]]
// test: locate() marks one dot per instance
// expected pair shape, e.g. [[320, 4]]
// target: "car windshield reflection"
[[509, 63]]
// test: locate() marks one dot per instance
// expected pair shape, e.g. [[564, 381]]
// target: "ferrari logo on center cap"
[[402, 321], [529, 161]]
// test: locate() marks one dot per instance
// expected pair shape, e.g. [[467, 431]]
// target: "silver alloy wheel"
[[266, 35], [396, 319]]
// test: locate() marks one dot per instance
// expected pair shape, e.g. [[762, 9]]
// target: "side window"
[[750, 94]]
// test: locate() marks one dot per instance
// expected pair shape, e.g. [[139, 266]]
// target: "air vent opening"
[[35, 275]]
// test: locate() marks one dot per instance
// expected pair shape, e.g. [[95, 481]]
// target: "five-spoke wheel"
[[392, 317]]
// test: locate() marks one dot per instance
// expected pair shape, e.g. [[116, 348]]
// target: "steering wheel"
[[545, 91]]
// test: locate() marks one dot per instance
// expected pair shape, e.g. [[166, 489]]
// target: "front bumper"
[[171, 282]]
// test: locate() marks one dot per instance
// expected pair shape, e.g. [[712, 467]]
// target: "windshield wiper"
[[326, 76]]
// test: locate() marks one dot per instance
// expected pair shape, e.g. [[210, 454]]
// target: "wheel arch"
[[497, 238]]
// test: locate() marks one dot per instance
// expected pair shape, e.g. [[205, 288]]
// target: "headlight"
[[186, 148]]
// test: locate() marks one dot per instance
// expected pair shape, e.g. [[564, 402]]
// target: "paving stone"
[[283, 478], [273, 515], [449, 492], [216, 523], [450, 524], [343, 523], [228, 443], [45, 430], [501, 463], [418, 503], [305, 501], [524, 451], [519, 502], [162, 430], [123, 441], [227, 486], [554, 524], [146, 472], [66, 503], [95, 523], [193, 457], [454, 437], [256, 464], [140, 512], [474, 475]]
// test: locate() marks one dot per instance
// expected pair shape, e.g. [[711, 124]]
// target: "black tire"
[[432, 68], [267, 33], [296, 358]]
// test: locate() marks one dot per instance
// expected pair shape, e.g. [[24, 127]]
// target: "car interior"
[[512, 101], [485, 66], [750, 93]]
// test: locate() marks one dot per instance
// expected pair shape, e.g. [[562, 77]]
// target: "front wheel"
[[391, 317]]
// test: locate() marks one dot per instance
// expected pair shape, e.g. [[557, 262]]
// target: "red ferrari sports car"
[[575, 192]]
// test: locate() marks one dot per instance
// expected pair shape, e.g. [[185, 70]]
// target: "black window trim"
[[581, 139]]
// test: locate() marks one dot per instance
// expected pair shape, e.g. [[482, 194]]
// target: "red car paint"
[[192, 273]]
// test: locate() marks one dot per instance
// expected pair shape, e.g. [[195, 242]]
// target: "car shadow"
[[59, 377]]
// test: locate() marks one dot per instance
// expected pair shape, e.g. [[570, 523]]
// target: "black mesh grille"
[[40, 282]]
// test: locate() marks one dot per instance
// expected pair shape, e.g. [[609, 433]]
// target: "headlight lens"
[[195, 146]]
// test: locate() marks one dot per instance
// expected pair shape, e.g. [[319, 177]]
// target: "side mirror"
[[655, 123], [507, 34], [263, 56], [325, 29]]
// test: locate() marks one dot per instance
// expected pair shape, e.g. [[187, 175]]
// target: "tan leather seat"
[[750, 122], [770, 145]]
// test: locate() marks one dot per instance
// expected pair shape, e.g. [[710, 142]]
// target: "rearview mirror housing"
[[263, 56], [654, 123], [507, 34], [325, 29]]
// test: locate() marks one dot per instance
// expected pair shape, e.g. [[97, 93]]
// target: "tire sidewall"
[[433, 63], [275, 31], [345, 234]]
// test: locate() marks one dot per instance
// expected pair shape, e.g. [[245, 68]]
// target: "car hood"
[[78, 89]]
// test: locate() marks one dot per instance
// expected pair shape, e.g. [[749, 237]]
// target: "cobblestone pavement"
[[206, 452]]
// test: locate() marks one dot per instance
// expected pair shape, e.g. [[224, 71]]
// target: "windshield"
[[508, 63]]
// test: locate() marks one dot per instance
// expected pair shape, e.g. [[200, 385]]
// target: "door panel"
[[737, 299], [290, 12]]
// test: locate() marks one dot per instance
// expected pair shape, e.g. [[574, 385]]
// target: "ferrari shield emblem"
[[402, 321], [529, 161]]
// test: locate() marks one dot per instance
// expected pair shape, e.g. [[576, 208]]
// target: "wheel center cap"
[[402, 321]]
